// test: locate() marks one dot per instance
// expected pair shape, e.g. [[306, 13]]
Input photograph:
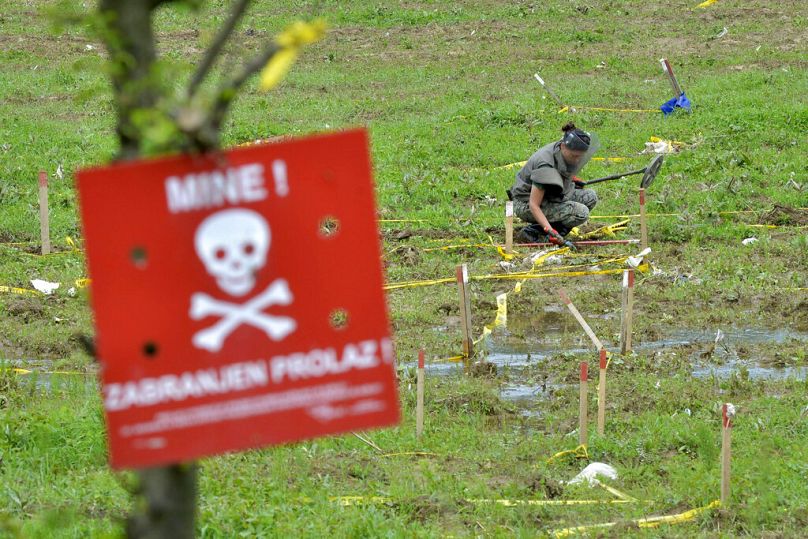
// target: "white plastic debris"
[[507, 266], [719, 336], [590, 474], [749, 241], [730, 411], [536, 256], [46, 287], [722, 33], [635, 261], [71, 292], [663, 146]]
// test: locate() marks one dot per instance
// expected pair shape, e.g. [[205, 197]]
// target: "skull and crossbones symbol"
[[233, 245]]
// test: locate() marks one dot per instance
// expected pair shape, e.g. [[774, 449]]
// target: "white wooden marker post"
[[580, 319], [44, 225], [602, 394], [628, 311], [727, 415], [509, 227], [582, 419], [419, 398], [465, 310], [643, 222]]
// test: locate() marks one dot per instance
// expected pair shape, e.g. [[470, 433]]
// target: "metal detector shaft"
[[615, 176], [666, 67], [549, 91], [649, 173]]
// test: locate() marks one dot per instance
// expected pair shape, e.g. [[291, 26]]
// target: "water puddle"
[[529, 341], [41, 374]]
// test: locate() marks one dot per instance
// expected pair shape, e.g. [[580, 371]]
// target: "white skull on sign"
[[233, 246]]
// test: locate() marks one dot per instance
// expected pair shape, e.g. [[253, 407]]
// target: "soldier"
[[548, 194]]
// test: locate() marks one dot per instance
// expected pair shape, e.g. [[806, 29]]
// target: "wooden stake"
[[580, 319], [509, 227], [44, 225], [465, 310], [666, 67], [602, 394], [627, 314], [727, 415], [419, 399], [582, 420], [643, 222]]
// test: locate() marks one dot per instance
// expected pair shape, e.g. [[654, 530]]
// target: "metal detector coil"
[[648, 173], [651, 171]]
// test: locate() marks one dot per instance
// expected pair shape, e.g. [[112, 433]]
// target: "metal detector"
[[648, 173]]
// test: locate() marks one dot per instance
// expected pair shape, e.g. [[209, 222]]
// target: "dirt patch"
[[783, 215], [426, 508], [549, 487], [478, 400], [26, 308]]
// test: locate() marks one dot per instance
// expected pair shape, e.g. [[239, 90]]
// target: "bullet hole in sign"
[[338, 319], [150, 350], [138, 256], [329, 227]]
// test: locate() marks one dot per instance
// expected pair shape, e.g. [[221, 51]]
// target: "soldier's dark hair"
[[574, 138]]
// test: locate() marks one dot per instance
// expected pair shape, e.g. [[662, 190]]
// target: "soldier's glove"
[[554, 237], [579, 183]]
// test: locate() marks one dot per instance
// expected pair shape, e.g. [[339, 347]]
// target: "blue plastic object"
[[681, 102]]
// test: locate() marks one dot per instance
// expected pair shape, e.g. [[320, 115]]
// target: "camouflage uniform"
[[564, 206]]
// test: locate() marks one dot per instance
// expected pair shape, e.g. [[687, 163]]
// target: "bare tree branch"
[[216, 47], [227, 92]]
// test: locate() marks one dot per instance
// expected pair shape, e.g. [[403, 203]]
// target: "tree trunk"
[[166, 508], [130, 42], [169, 508]]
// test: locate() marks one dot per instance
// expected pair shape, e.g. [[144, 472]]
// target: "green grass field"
[[447, 92]]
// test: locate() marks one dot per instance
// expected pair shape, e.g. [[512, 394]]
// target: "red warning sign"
[[238, 298]]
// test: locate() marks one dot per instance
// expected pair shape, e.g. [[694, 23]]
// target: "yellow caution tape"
[[503, 254], [411, 453], [606, 109], [651, 522], [642, 268], [606, 230], [728, 212], [21, 291], [501, 318], [579, 452], [82, 283], [415, 284], [619, 494], [509, 166], [24, 372], [512, 276], [382, 500], [707, 3], [516, 503], [402, 220], [502, 311], [72, 244]]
